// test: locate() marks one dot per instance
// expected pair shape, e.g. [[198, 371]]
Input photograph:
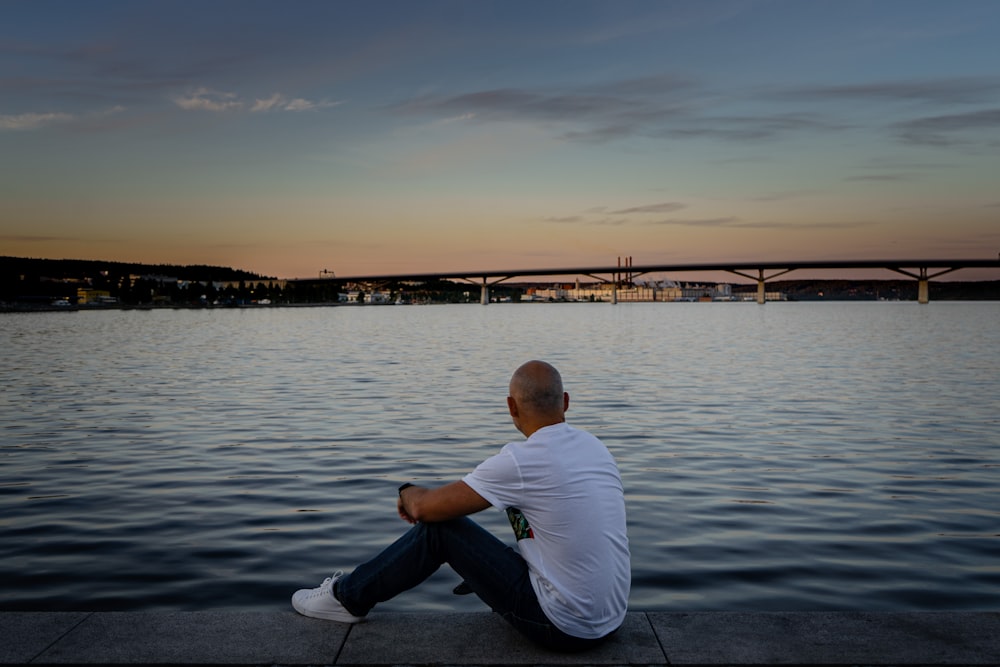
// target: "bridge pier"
[[760, 278], [923, 280], [484, 287], [614, 293]]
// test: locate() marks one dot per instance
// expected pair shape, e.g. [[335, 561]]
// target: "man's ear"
[[512, 406], [565, 401]]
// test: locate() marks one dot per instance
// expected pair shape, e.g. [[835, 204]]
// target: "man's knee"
[[444, 536]]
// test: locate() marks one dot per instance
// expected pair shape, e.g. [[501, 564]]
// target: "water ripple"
[[795, 456]]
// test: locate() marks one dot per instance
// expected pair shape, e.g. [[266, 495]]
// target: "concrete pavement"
[[482, 638]]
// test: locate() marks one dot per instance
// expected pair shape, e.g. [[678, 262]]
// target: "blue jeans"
[[495, 572]]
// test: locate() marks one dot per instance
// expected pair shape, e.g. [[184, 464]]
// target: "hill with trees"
[[41, 281]]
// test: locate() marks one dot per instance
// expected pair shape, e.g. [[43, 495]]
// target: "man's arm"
[[441, 504]]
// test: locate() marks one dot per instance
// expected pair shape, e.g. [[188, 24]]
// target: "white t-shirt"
[[563, 494]]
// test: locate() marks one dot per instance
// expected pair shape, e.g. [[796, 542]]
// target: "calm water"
[[786, 457]]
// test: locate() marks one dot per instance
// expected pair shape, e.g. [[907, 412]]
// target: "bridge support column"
[[614, 294], [761, 288], [484, 286], [923, 280]]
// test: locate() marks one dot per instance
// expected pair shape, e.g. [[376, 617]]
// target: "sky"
[[288, 138]]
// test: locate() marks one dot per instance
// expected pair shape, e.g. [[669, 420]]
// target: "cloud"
[[205, 99], [749, 128], [909, 165], [268, 104], [699, 222], [614, 98], [594, 113], [278, 102], [942, 130], [936, 130], [667, 107], [962, 90], [881, 178], [806, 227], [459, 118], [603, 211], [664, 107], [509, 103], [600, 135], [27, 238], [665, 207], [299, 104], [783, 196], [645, 86], [734, 222], [577, 219], [597, 216], [32, 121]]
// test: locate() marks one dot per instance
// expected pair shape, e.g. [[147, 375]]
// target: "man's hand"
[[402, 510]]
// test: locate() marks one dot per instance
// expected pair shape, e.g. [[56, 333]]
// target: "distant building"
[[269, 283], [652, 291], [752, 296], [95, 297], [153, 278], [369, 297]]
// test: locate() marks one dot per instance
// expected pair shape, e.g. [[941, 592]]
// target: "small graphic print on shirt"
[[522, 529]]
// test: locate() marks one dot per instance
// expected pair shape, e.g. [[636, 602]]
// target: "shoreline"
[[31, 308]]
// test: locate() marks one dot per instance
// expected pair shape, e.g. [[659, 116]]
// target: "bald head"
[[536, 396]]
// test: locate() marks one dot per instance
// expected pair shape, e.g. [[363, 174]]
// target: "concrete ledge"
[[647, 638]]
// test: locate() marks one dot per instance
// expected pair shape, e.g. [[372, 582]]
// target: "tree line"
[[43, 281]]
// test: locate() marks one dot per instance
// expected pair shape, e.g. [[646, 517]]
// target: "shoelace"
[[326, 585]]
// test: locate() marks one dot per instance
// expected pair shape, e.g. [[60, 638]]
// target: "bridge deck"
[[638, 270]]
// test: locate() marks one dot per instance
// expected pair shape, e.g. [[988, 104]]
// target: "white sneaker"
[[320, 603]]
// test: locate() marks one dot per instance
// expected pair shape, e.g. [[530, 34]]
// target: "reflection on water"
[[790, 456]]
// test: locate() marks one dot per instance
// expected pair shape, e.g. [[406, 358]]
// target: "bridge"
[[922, 270]]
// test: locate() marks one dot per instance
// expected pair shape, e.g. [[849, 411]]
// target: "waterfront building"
[[94, 297]]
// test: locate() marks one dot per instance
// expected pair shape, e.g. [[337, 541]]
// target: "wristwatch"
[[404, 487]]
